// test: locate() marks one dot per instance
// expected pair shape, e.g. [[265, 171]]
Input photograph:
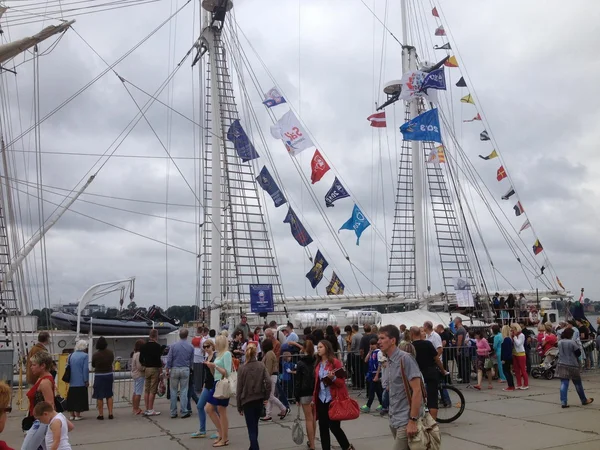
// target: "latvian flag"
[[377, 120]]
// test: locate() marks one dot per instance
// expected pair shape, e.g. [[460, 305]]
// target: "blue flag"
[[424, 127], [336, 192], [336, 287], [434, 80], [266, 181], [242, 144], [316, 273], [298, 230], [358, 222]]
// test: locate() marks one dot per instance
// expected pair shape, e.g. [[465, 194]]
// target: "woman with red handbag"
[[330, 397]]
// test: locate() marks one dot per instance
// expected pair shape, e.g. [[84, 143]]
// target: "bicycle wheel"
[[453, 406]]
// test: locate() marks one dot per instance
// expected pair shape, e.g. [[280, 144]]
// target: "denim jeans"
[[34, 439], [252, 412], [564, 389], [180, 378], [374, 388], [202, 400], [192, 395]]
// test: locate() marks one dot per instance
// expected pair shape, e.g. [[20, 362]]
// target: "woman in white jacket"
[[519, 357]]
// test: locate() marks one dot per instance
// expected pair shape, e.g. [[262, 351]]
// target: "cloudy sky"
[[527, 64]]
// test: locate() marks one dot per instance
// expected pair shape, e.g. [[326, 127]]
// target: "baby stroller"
[[547, 368]]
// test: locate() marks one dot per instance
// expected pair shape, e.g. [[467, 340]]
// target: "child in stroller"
[[547, 348]]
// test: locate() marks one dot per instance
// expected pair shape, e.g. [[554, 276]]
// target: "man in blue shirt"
[[179, 361]]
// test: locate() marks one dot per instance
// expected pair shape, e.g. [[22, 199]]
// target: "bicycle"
[[451, 403]]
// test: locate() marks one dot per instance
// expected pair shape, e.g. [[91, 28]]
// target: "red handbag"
[[342, 407]]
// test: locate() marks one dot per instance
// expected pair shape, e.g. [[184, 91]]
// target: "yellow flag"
[[451, 62], [492, 155], [467, 99], [440, 154]]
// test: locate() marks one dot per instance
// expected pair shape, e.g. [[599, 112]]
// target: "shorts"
[[216, 401], [481, 363], [306, 400], [151, 375], [138, 386]]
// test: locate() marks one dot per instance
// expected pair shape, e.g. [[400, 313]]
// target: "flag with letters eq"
[[336, 192]]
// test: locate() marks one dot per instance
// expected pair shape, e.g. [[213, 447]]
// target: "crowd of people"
[[276, 367]]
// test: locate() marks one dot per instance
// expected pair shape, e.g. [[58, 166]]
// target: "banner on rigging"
[[424, 127], [336, 192], [261, 298], [358, 222], [289, 130], [241, 142], [464, 296], [266, 181], [335, 287], [315, 275], [412, 84], [298, 230]]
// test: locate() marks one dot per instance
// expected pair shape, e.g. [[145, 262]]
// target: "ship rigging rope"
[[99, 76], [50, 188], [39, 178], [303, 177], [110, 224], [473, 92], [29, 16], [115, 208]]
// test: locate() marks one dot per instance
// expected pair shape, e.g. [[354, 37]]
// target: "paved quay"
[[523, 420]]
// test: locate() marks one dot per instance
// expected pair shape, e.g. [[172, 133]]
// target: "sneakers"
[[365, 409], [383, 412], [266, 419], [198, 434], [523, 388], [151, 412], [508, 389], [379, 408]]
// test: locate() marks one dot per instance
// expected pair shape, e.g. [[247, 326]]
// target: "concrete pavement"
[[523, 420]]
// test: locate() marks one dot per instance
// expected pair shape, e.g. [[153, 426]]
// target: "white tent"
[[417, 317]]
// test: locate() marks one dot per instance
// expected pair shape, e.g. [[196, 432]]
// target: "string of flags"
[[501, 174]]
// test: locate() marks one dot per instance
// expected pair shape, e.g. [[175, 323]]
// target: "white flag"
[[289, 130], [411, 87]]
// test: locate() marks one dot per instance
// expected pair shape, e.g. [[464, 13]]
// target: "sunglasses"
[[207, 346]]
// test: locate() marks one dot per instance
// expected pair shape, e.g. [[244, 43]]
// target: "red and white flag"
[[439, 31], [377, 120], [318, 166]]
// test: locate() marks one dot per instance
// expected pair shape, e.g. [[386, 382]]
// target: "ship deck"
[[525, 420]]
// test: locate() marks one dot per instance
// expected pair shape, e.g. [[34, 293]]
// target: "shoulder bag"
[[342, 407], [428, 435], [67, 375]]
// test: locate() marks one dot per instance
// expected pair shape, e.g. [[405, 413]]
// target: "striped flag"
[[377, 120], [451, 62], [525, 225], [477, 117]]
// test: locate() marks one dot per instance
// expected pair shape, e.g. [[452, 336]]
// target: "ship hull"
[[110, 327]]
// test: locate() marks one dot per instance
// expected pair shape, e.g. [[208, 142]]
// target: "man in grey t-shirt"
[[403, 414]]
